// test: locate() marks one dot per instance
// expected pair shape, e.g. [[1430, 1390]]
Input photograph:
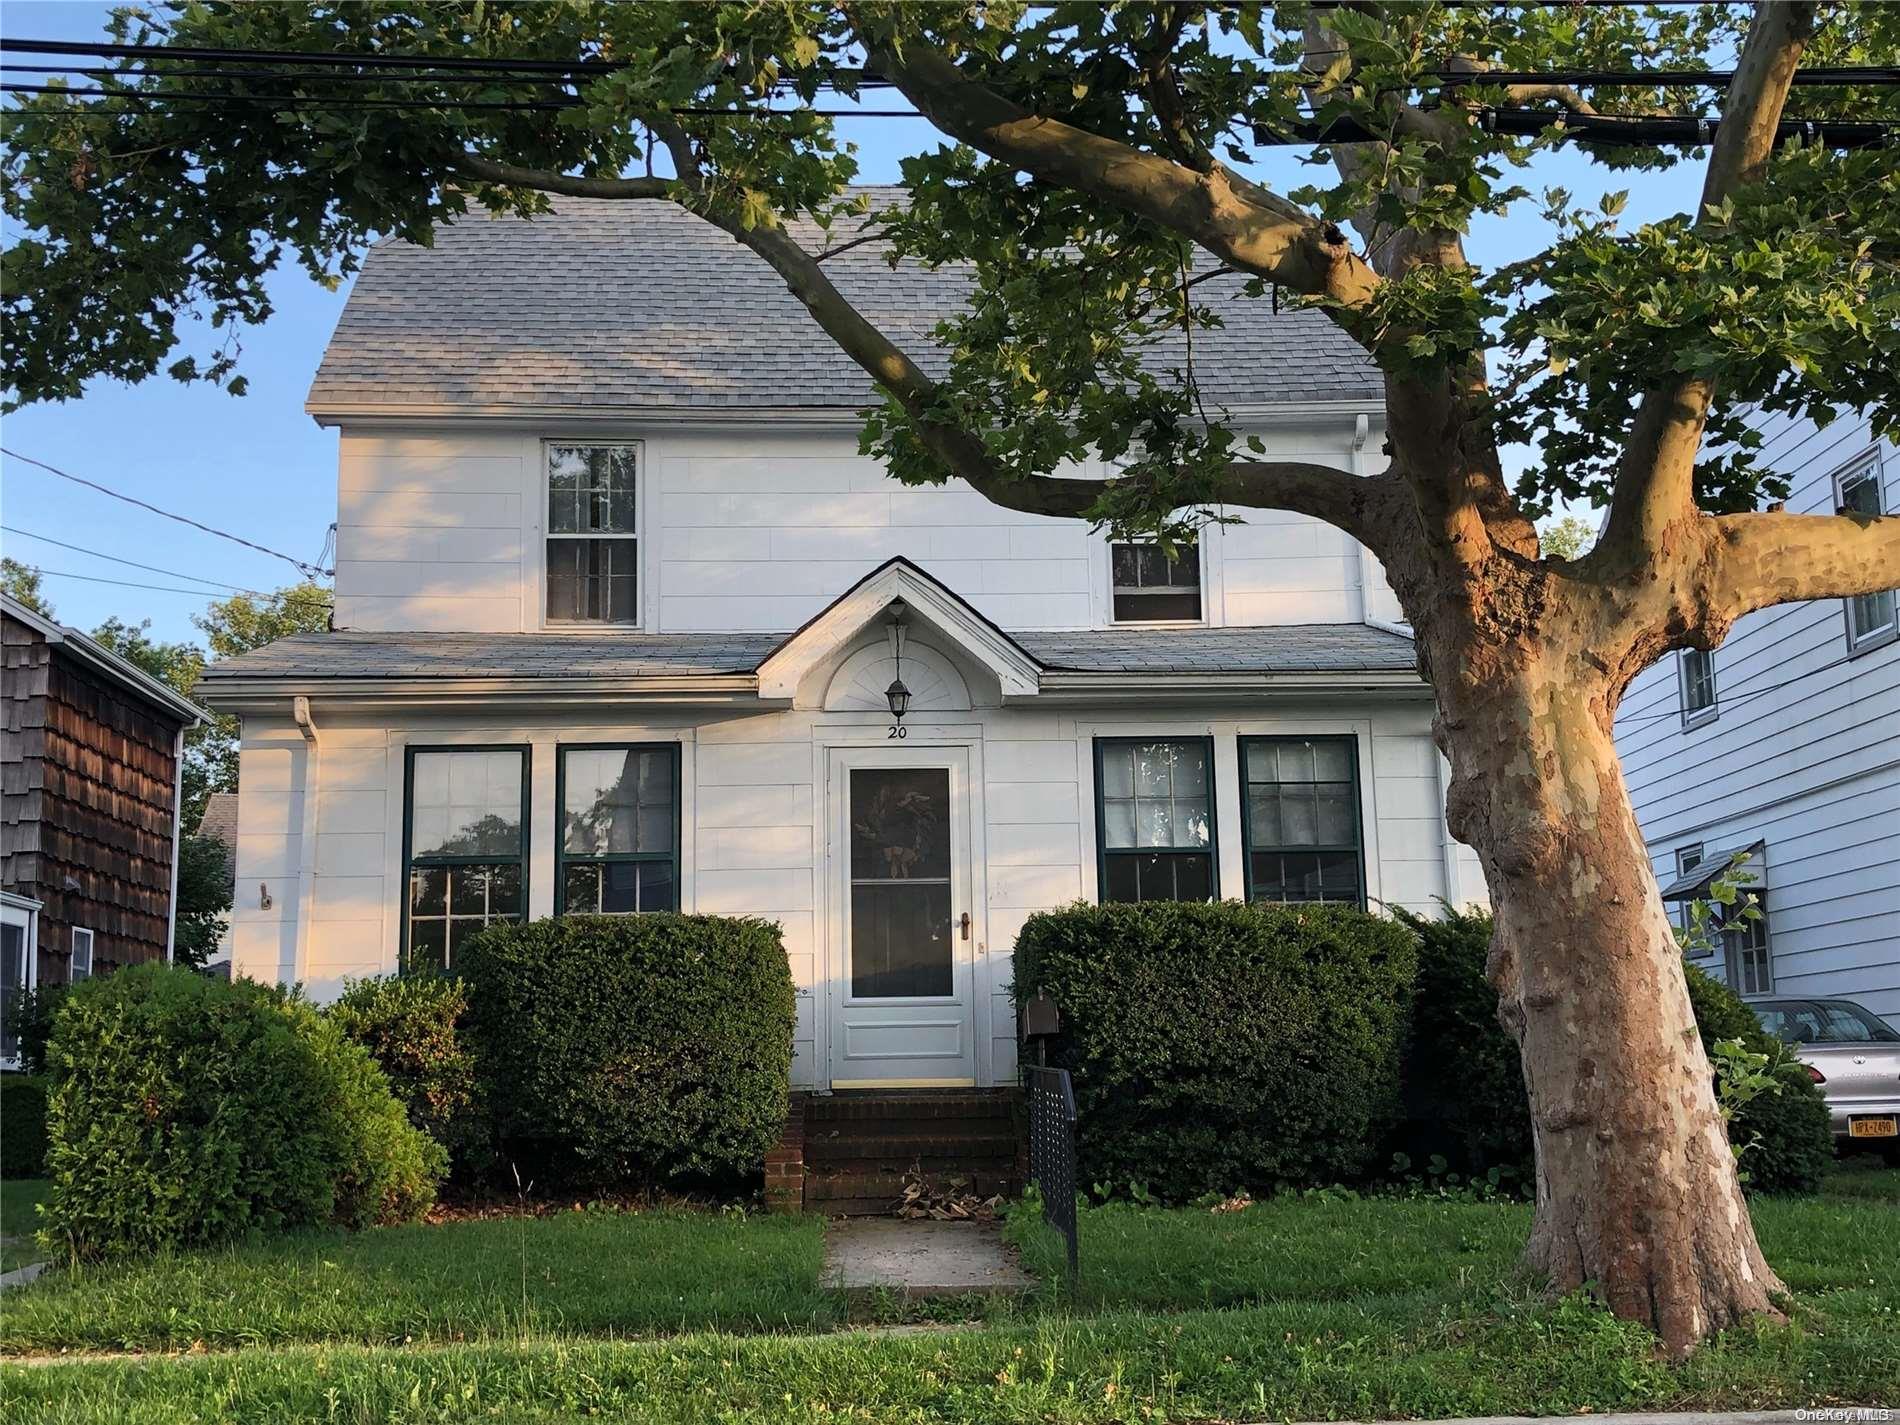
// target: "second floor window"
[[1870, 617], [593, 551], [1698, 686], [1148, 587]]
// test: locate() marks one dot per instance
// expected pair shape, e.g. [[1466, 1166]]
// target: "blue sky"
[[259, 467]]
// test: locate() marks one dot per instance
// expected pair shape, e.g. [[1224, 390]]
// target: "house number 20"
[[896, 732]]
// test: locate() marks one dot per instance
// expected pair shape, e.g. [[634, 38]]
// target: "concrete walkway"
[[20, 1276], [920, 1259]]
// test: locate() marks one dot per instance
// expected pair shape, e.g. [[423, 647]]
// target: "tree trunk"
[[1637, 1192]]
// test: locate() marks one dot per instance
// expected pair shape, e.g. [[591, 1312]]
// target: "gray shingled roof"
[[609, 305], [309, 657]]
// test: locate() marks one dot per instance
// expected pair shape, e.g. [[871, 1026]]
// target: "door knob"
[[963, 924]]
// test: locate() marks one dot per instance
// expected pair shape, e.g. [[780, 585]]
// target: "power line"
[[124, 583], [1722, 699], [310, 571], [133, 563], [1596, 130], [559, 69]]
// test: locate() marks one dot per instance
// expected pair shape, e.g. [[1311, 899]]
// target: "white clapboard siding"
[[758, 530], [1804, 754], [753, 836]]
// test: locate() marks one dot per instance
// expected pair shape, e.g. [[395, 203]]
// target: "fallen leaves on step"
[[955, 1200]]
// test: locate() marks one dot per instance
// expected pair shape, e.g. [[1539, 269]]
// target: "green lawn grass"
[[18, 1221], [1317, 1307], [572, 1274]]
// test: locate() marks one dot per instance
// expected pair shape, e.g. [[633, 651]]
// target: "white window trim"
[[1207, 549], [642, 536], [18, 910], [72, 959], [1696, 717], [1868, 462]]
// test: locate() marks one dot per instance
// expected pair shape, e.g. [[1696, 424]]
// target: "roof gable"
[[829, 633]]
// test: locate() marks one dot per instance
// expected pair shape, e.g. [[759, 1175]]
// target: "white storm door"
[[900, 932]]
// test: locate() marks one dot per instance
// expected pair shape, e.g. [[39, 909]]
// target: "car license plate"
[[1873, 1128]]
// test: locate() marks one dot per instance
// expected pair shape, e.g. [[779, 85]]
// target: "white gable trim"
[[832, 631]]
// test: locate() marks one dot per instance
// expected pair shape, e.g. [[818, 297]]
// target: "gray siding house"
[[1784, 743]]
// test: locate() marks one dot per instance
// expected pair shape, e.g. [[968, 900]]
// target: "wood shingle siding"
[[86, 796]]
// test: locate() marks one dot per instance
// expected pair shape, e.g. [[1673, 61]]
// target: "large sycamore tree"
[[1097, 165]]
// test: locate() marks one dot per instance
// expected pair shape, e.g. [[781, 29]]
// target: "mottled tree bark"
[[1637, 1191]]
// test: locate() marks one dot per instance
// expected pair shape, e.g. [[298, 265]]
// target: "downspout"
[[1447, 843], [178, 814], [307, 851]]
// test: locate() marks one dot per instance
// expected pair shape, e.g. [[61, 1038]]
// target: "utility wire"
[[133, 563], [558, 69], [124, 583], [311, 571], [1725, 699]]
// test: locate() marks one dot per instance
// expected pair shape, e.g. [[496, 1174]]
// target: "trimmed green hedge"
[[1221, 1046], [1464, 1088], [186, 1110], [410, 1025], [650, 1048], [22, 1125]]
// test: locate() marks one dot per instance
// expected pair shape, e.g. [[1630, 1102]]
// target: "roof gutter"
[[777, 418], [1200, 685]]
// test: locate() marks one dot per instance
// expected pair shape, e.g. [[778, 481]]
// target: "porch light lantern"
[[897, 695]]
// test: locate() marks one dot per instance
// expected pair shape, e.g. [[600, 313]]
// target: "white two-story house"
[[1784, 744], [625, 622]]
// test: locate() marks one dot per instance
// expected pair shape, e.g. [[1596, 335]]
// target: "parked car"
[[1853, 1054]]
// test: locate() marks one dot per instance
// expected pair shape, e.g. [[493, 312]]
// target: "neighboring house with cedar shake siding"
[[625, 622], [89, 764]]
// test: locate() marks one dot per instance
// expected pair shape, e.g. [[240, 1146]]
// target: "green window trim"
[[409, 860], [564, 858], [1103, 852], [1357, 848]]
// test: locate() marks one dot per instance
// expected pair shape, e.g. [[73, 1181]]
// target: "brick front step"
[[823, 1147], [850, 1153]]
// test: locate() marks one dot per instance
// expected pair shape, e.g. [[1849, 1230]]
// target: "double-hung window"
[[465, 848], [1696, 676], [80, 966], [1870, 617], [620, 829], [1156, 808], [593, 542], [1300, 808], [1146, 586]]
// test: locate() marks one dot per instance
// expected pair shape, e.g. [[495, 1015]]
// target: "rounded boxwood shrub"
[[633, 1049], [1221, 1046], [411, 1026], [187, 1109], [1464, 1086], [22, 1125]]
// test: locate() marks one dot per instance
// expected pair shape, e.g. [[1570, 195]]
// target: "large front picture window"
[[619, 847], [1300, 803], [1156, 803], [593, 551], [466, 848]]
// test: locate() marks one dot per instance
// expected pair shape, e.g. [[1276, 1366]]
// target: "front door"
[[901, 946]]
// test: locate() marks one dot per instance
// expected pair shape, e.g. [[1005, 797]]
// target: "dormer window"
[[593, 545], [1146, 586]]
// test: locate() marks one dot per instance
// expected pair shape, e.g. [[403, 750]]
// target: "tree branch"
[[546, 180], [1655, 486], [1243, 224], [1773, 558], [1323, 491]]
